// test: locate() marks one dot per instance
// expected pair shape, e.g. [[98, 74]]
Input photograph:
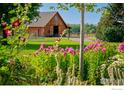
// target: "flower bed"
[[53, 65]]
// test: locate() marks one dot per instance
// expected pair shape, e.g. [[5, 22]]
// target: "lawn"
[[33, 44]]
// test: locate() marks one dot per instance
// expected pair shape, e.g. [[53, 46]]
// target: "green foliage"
[[11, 45], [114, 34], [112, 18], [66, 6], [89, 28], [75, 28], [104, 22], [52, 68], [93, 61]]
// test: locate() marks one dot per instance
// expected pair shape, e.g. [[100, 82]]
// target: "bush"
[[95, 55], [114, 34]]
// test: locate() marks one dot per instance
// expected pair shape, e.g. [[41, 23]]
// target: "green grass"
[[33, 44]]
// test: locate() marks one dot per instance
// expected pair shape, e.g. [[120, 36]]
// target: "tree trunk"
[[81, 58]]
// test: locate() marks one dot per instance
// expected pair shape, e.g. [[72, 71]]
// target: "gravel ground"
[[78, 39]]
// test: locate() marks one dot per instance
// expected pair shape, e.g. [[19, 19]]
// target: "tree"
[[75, 28], [81, 8], [90, 28], [81, 57], [112, 17]]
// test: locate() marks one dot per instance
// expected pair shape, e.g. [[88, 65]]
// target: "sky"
[[72, 16]]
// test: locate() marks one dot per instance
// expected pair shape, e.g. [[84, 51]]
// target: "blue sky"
[[72, 16]]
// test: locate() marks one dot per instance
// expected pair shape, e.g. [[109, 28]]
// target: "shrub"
[[114, 34], [95, 55]]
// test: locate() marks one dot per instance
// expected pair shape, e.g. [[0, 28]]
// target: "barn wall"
[[36, 31]]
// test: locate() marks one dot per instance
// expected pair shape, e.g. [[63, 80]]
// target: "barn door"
[[55, 31]]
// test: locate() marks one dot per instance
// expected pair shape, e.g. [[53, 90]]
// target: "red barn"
[[48, 24]]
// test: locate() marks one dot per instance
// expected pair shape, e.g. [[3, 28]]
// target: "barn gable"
[[44, 19]]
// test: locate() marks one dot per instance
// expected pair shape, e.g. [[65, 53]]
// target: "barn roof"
[[44, 18]]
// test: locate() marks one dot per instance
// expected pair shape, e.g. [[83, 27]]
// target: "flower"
[[50, 47], [42, 46], [7, 32], [62, 50], [70, 50], [16, 23], [64, 53], [121, 47], [67, 49], [95, 47], [104, 50]]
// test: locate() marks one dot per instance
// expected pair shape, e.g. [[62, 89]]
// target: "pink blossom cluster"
[[121, 47], [53, 49], [96, 47], [48, 49], [70, 50]]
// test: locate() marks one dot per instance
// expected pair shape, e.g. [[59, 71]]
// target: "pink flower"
[[90, 46], [96, 46], [64, 53], [62, 50], [70, 50], [42, 46], [121, 47], [67, 49], [74, 53], [46, 50], [104, 50]]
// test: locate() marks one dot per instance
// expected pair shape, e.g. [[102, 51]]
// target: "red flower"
[[3, 24], [16, 23], [7, 32]]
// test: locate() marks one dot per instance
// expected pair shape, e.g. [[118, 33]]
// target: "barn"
[[49, 24]]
